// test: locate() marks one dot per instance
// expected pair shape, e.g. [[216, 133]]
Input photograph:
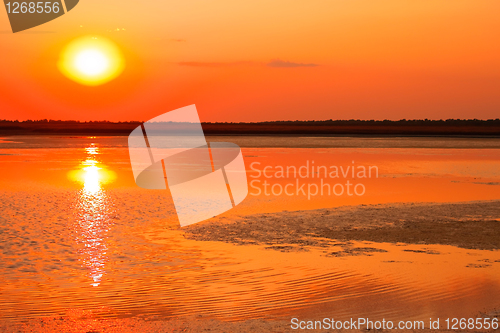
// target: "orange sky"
[[253, 60]]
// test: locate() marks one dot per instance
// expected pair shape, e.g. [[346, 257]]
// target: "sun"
[[91, 60]]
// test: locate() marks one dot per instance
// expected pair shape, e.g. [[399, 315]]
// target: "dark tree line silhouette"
[[477, 127]]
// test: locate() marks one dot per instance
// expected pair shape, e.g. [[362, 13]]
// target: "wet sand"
[[235, 279], [471, 225], [86, 323], [81, 322]]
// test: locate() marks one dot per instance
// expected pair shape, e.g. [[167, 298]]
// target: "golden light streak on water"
[[91, 182], [93, 209]]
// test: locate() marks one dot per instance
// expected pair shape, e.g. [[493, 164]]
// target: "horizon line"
[[253, 122]]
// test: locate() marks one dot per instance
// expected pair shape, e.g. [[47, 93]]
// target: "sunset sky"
[[264, 60]]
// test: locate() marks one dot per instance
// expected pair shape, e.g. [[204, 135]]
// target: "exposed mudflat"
[[472, 225]]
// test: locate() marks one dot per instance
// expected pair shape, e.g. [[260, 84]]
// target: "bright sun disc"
[[91, 61]]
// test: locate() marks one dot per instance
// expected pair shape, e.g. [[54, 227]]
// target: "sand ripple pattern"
[[126, 255]]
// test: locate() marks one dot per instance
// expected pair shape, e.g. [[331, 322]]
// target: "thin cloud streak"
[[276, 63]]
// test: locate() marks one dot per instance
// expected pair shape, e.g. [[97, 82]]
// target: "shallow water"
[[76, 233]]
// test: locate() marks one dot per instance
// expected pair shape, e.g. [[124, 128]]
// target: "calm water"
[[76, 233]]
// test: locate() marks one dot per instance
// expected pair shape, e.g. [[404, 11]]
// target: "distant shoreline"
[[405, 128]]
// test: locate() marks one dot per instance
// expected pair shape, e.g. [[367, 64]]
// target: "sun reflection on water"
[[93, 212], [91, 178]]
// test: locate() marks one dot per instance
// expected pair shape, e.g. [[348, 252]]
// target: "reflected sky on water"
[[77, 233]]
